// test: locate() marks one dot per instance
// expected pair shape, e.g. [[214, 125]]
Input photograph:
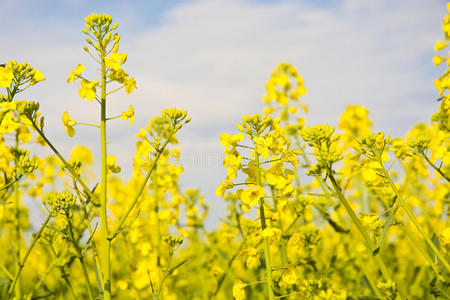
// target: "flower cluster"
[[61, 203], [368, 230], [269, 141], [101, 36], [18, 77], [326, 149], [284, 89], [284, 84], [442, 84]]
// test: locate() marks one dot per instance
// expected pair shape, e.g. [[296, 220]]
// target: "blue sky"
[[213, 58]]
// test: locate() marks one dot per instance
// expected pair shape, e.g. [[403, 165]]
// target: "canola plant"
[[314, 211]]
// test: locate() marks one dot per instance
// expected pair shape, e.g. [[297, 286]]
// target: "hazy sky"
[[213, 59]]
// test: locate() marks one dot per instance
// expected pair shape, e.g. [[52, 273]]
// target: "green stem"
[[88, 124], [368, 241], [434, 167], [105, 241], [7, 273], [229, 265], [18, 237], [262, 218], [65, 277], [92, 242], [22, 263], [414, 242], [119, 225], [413, 218], [282, 248], [9, 184], [76, 178], [62, 269], [80, 258], [41, 281], [72, 172], [158, 241], [370, 280], [115, 90]]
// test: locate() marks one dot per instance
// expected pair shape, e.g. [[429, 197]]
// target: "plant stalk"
[[262, 218]]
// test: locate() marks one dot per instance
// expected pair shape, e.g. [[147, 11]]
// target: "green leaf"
[[171, 270], [337, 227]]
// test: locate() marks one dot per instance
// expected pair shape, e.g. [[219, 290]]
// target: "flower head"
[[60, 202]]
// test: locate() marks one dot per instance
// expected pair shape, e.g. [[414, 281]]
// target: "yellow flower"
[[220, 191], [439, 46], [130, 85], [253, 260], [227, 140], [6, 76], [239, 290], [268, 110], [272, 233], [437, 60], [74, 74], [216, 271], [7, 106], [262, 145], [370, 221], [38, 76], [289, 275], [118, 75], [369, 174], [8, 124], [292, 109], [122, 284], [111, 164], [81, 154], [233, 163], [251, 196], [87, 89], [115, 60], [176, 153], [68, 124], [445, 240], [379, 139], [128, 114]]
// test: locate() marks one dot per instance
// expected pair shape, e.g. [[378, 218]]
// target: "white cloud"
[[214, 57]]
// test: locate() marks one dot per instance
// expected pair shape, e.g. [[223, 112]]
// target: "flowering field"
[[313, 211]]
